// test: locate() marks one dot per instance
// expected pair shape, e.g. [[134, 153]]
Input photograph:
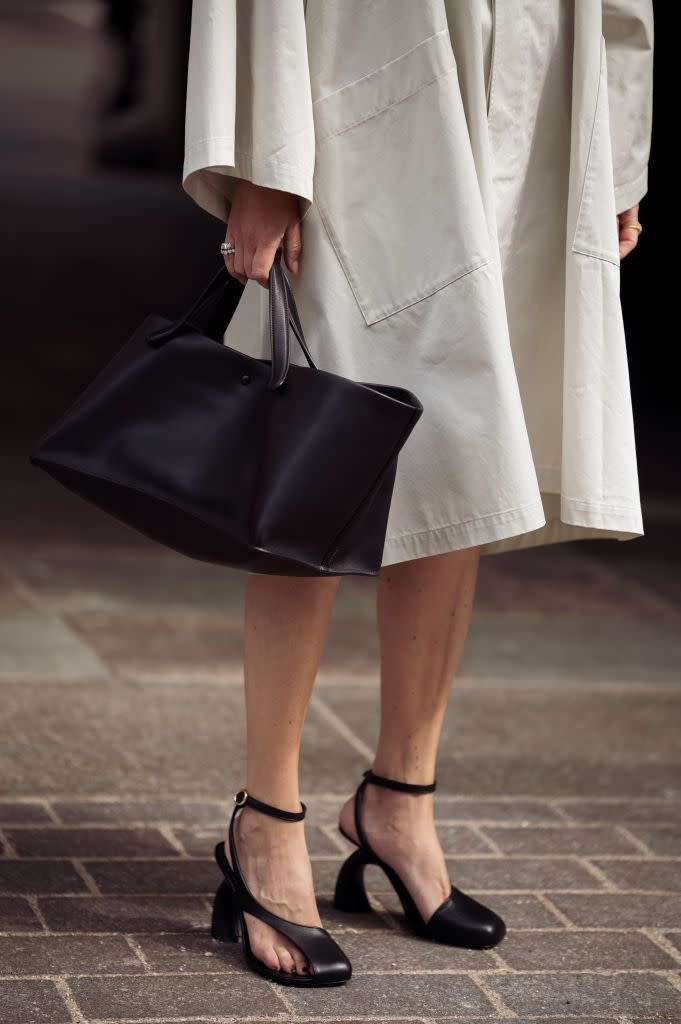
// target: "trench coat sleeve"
[[249, 105], [628, 32]]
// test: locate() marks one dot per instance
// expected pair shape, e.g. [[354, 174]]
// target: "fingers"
[[628, 240], [258, 219], [261, 260], [250, 261], [627, 225], [235, 269], [293, 245]]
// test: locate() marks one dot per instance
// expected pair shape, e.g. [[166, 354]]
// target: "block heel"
[[460, 920], [350, 894], [226, 923]]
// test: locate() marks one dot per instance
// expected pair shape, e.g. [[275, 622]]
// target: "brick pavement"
[[558, 797]]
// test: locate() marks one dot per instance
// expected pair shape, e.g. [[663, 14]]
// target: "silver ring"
[[227, 249]]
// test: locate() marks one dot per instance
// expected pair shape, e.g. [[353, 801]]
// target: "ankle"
[[396, 807], [254, 825], [402, 767]]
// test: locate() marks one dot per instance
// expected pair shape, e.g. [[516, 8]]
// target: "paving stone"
[[155, 876], [162, 642], [518, 586], [322, 810], [87, 578], [568, 839], [35, 644], [626, 743], [569, 950], [32, 1002], [153, 998], [121, 812], [653, 564], [65, 955], [45, 876], [23, 813], [523, 911], [427, 995], [628, 910], [190, 953], [145, 740], [481, 875], [336, 921], [539, 1020], [572, 651], [318, 843], [11, 601], [16, 915], [623, 812], [643, 874], [125, 914], [662, 841], [675, 939], [494, 811], [200, 842], [584, 994], [458, 839], [351, 647], [89, 842], [391, 951], [520, 873]]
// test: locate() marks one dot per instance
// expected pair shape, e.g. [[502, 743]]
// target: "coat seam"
[[458, 276], [467, 522], [596, 256], [382, 67], [584, 504], [386, 106], [591, 142]]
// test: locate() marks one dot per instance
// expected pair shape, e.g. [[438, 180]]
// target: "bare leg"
[[286, 622], [424, 609]]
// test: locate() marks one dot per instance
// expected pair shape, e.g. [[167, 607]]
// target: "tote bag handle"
[[283, 316]]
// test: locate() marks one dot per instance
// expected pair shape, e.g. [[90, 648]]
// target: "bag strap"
[[283, 315]]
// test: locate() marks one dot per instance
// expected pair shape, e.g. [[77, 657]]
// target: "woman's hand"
[[627, 223], [259, 219]]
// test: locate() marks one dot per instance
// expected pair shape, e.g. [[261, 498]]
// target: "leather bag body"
[[261, 465]]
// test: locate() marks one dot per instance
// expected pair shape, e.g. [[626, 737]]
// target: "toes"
[[302, 966], [285, 959], [269, 957]]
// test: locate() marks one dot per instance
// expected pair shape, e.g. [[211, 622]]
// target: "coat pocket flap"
[[390, 84]]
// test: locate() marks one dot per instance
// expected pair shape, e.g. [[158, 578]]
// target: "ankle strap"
[[244, 799], [403, 787]]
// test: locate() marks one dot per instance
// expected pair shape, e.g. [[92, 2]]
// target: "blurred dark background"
[[97, 232]]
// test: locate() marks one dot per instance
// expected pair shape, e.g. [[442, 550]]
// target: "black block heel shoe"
[[458, 921], [328, 963]]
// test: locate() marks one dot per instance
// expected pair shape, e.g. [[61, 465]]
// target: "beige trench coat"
[[459, 165]]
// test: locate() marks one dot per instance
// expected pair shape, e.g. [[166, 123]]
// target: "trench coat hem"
[[213, 166], [467, 534], [554, 519], [629, 193], [592, 514]]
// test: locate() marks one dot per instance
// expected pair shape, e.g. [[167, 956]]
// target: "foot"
[[276, 867], [400, 828]]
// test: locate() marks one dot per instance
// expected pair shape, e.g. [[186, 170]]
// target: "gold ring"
[[636, 225]]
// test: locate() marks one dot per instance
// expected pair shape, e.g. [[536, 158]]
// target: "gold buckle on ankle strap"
[[240, 798]]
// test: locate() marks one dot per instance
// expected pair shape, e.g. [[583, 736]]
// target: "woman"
[[454, 183]]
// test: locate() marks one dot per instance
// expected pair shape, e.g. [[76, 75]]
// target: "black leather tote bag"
[[258, 464]]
